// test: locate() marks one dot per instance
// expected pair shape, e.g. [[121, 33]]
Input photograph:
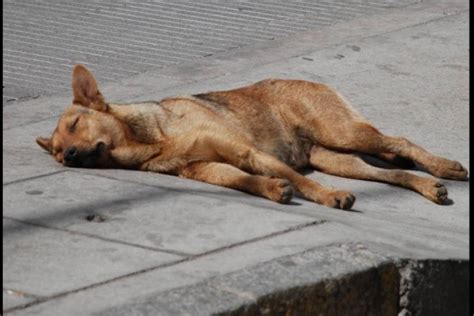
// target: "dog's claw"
[[449, 169], [341, 200], [280, 190], [435, 191]]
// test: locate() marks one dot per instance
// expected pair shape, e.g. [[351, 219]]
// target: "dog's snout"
[[70, 153]]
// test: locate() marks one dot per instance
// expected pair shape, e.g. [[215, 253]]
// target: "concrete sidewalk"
[[111, 242]]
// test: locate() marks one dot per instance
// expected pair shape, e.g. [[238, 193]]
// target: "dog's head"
[[86, 132]]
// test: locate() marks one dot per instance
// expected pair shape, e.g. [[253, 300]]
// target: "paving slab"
[[12, 298], [141, 215], [395, 219], [20, 148], [129, 290], [244, 287], [46, 262]]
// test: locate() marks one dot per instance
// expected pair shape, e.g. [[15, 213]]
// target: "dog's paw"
[[449, 169], [436, 192], [340, 200], [280, 190]]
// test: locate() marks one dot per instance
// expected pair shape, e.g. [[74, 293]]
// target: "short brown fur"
[[251, 139]]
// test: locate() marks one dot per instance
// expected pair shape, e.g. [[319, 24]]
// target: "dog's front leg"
[[256, 161], [133, 156], [222, 174]]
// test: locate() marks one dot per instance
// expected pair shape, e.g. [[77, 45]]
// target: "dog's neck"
[[141, 124]]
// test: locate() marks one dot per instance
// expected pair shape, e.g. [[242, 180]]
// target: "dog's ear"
[[85, 90], [45, 143]]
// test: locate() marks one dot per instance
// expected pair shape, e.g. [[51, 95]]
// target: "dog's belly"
[[295, 153], [264, 128], [274, 138]]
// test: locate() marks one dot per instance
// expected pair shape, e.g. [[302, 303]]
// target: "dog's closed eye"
[[72, 127]]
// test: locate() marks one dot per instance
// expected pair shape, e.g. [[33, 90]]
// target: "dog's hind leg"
[[277, 190], [352, 166], [355, 135], [338, 126], [396, 160], [365, 138]]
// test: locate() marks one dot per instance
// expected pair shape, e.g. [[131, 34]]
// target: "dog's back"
[[275, 114]]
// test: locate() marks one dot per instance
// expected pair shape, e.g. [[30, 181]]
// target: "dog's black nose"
[[70, 154]]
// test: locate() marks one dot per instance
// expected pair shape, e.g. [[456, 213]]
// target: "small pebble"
[[95, 218]]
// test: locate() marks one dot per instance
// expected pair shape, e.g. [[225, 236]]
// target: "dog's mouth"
[[76, 158]]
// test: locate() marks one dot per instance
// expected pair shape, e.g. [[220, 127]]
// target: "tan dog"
[[251, 139]]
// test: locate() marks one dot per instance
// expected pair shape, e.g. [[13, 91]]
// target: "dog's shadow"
[[353, 210], [293, 203]]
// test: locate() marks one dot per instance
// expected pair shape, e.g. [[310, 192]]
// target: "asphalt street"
[[119, 39]]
